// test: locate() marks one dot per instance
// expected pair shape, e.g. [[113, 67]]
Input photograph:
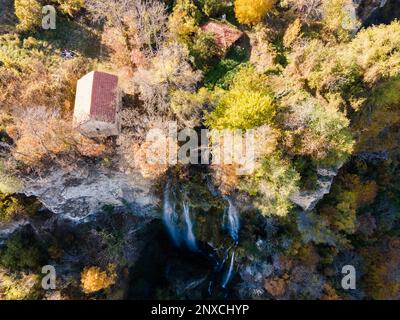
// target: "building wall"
[[119, 106], [83, 99], [93, 129]]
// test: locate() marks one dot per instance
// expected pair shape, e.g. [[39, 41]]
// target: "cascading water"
[[218, 265], [190, 238], [170, 217], [228, 275], [233, 223], [181, 229], [171, 221]]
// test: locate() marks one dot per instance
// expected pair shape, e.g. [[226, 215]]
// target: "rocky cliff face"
[[366, 7], [377, 11], [307, 200], [6, 229], [78, 194]]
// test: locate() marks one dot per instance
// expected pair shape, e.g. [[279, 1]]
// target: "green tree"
[[364, 74], [272, 185], [317, 129], [247, 104], [376, 50], [345, 217], [215, 8], [22, 251], [239, 109], [204, 50]]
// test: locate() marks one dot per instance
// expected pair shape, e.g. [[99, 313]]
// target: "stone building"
[[225, 34], [97, 105]]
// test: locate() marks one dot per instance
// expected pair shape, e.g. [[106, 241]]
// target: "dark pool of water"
[[163, 270]]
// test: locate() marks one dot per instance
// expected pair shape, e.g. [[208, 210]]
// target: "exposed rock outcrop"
[[373, 156], [252, 279], [366, 7], [307, 200], [78, 194], [7, 229]]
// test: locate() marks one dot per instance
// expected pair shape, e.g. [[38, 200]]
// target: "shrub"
[[272, 185], [293, 32], [340, 18], [184, 20], [33, 74], [93, 279], [70, 7], [9, 207], [8, 183], [215, 8], [29, 14], [24, 287], [204, 50], [22, 251], [43, 135]]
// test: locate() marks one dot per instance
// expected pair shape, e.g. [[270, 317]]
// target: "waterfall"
[[190, 238], [229, 273], [233, 223], [170, 217], [221, 264], [171, 221]]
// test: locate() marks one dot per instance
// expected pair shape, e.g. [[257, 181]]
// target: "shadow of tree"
[[8, 20], [73, 35], [385, 14]]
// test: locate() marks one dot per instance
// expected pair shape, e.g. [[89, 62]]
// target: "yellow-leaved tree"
[[70, 7], [252, 11], [29, 14], [94, 279], [184, 20]]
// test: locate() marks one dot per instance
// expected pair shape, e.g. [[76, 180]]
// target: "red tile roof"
[[225, 35], [104, 97]]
